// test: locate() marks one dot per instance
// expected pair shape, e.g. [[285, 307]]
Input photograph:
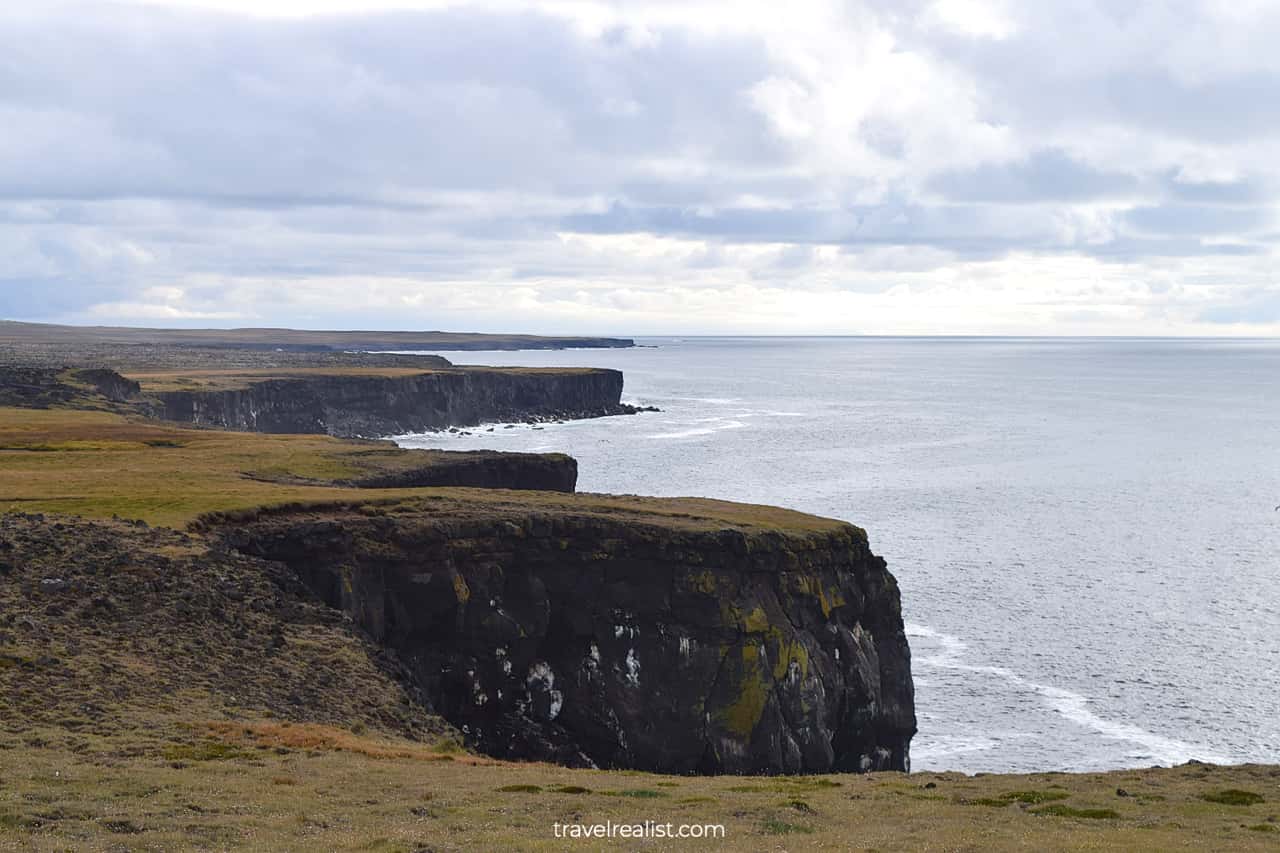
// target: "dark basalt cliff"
[[42, 387], [387, 405], [483, 469], [595, 640]]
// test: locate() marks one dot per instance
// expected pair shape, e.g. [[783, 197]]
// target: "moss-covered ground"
[[99, 464], [229, 379], [265, 785]]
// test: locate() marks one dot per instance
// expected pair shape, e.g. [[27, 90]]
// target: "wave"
[[1068, 704], [716, 425], [945, 746]]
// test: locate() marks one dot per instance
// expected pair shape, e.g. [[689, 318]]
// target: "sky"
[[1086, 167]]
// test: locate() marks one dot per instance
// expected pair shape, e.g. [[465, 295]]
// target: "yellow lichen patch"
[[745, 672], [704, 582], [829, 599], [785, 651], [461, 590], [755, 621]]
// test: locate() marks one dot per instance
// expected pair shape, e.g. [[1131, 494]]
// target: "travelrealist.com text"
[[644, 829]]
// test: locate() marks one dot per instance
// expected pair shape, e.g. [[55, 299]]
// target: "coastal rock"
[[593, 641], [484, 469], [389, 405], [43, 387]]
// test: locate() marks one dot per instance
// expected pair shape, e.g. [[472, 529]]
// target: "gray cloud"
[[1046, 175], [194, 164]]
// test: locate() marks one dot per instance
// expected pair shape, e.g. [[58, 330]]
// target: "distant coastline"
[[17, 333]]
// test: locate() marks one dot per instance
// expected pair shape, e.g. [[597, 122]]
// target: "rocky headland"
[[678, 636], [598, 633], [369, 403]]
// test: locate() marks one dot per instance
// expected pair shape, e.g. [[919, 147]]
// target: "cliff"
[[42, 387], [482, 469], [597, 634], [369, 404]]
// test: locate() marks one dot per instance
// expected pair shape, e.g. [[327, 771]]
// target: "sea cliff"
[[368, 405], [673, 635], [575, 637]]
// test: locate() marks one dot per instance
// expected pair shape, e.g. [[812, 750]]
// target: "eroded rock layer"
[[387, 405], [592, 640]]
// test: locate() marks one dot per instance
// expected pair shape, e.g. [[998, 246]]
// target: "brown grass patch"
[[316, 737]]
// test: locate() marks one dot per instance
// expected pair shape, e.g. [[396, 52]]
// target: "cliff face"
[[371, 405], [483, 469], [41, 387], [591, 640]]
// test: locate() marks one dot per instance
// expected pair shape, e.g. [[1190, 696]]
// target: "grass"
[[228, 379], [206, 751], [234, 378], [336, 790], [99, 465], [1059, 810], [1233, 797], [1024, 797]]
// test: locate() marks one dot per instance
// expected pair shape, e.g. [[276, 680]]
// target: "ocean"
[[1084, 530]]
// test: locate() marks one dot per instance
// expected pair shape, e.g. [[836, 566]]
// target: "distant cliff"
[[387, 405], [482, 469], [302, 340], [589, 639]]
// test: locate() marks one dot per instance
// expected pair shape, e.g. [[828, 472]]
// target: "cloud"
[[1045, 175], [618, 167]]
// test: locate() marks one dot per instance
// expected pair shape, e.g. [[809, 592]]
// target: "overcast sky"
[[649, 166]]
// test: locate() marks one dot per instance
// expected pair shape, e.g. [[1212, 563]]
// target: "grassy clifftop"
[[224, 379], [98, 464]]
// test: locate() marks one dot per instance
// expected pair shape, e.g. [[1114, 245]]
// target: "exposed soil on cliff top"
[[106, 627]]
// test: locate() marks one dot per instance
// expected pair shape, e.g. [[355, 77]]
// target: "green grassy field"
[[232, 378], [263, 785], [99, 464]]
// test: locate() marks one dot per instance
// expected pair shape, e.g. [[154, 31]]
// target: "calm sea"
[[1084, 531]]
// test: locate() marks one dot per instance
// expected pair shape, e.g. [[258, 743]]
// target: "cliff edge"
[[382, 401], [603, 633]]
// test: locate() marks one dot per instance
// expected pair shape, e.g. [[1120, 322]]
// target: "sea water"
[[1084, 530]]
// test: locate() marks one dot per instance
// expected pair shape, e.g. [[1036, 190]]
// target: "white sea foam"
[[714, 425], [1067, 703], [935, 749]]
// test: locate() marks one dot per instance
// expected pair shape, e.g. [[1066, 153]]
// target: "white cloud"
[[879, 166]]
